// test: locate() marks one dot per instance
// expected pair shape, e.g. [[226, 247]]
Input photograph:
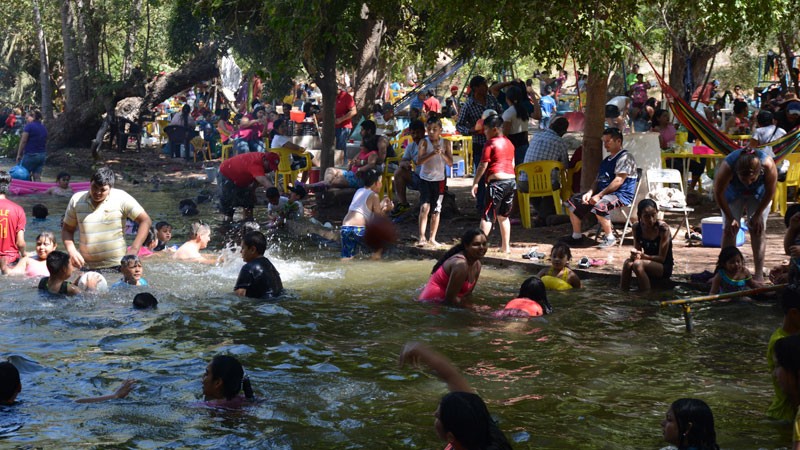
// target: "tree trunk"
[[326, 80], [44, 66], [130, 40], [698, 56], [786, 41], [596, 86], [72, 72], [131, 99], [368, 78]]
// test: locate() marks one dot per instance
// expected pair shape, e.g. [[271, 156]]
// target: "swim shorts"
[[499, 198], [602, 208], [351, 240]]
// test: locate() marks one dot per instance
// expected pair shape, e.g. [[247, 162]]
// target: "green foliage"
[[9, 144], [743, 70]]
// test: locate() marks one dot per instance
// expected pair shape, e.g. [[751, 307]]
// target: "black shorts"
[[432, 193], [298, 162], [231, 195], [499, 198]]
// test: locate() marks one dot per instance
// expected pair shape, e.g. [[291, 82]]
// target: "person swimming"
[[531, 301], [223, 381]]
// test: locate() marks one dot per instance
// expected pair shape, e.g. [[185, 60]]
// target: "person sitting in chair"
[[614, 187]]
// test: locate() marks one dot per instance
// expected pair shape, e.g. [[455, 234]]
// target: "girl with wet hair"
[[651, 257], [690, 425], [462, 418], [223, 381], [455, 275]]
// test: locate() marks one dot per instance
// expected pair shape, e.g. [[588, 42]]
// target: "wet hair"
[[257, 240], [47, 235], [466, 239], [656, 116], [273, 192], [62, 175], [644, 204], [764, 118], [790, 298], [476, 81], [534, 289], [370, 177], [57, 261], [560, 125], [516, 95], [790, 211], [369, 125], [493, 121], [230, 370], [9, 381], [465, 415], [701, 435], [5, 181], [726, 254], [744, 164], [199, 228], [614, 132], [162, 224], [128, 259], [144, 300], [151, 236], [416, 125], [787, 353], [104, 176], [40, 211]]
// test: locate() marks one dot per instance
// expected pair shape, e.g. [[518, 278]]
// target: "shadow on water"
[[598, 373]]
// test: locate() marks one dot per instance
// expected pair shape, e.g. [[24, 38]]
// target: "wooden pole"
[[711, 298]]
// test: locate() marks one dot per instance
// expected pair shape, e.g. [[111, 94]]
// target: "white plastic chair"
[[627, 211], [663, 177]]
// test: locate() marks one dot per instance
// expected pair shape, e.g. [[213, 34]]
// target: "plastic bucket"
[[313, 177]]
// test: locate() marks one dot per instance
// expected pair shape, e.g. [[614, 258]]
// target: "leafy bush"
[[9, 143]]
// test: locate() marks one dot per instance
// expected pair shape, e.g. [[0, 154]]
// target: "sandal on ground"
[[584, 263]]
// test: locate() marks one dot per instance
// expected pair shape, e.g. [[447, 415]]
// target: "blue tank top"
[[738, 189], [608, 172]]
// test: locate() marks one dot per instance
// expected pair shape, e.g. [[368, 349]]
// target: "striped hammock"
[[707, 132]]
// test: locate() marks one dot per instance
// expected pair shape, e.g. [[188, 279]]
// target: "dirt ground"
[[152, 166]]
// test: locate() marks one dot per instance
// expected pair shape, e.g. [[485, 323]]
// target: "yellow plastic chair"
[[201, 146], [387, 179], [162, 134], [566, 181], [465, 152], [540, 184], [400, 142], [792, 179], [285, 171], [226, 151]]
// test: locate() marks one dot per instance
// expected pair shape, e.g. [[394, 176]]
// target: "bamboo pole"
[[710, 298]]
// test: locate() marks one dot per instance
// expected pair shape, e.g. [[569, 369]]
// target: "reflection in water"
[[598, 373]]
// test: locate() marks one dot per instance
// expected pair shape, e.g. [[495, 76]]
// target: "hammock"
[[21, 187], [707, 132]]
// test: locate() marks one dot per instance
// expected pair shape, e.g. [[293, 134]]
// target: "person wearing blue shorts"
[[32, 145], [366, 204]]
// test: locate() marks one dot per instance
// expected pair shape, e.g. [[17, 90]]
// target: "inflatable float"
[[21, 187], [555, 284]]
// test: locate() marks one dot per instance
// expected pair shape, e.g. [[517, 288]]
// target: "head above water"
[[465, 245], [534, 289], [57, 262], [40, 211], [256, 240], [726, 254], [199, 229], [695, 423], [464, 416], [144, 300], [226, 374], [10, 384]]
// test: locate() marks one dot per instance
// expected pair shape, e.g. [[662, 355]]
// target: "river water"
[[598, 373]]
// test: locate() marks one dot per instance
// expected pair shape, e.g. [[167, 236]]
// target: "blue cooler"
[[712, 232], [457, 169]]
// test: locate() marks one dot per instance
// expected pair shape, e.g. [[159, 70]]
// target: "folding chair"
[[629, 209], [667, 177]]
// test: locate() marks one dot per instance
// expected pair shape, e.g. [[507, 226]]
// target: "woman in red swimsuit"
[[455, 275]]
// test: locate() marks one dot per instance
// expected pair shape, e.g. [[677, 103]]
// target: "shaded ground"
[[150, 166]]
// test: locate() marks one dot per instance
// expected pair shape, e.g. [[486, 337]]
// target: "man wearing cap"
[[788, 116], [345, 111], [251, 131], [238, 179], [454, 98]]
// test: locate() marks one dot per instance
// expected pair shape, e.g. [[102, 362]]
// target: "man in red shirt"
[[497, 162], [345, 111], [431, 104], [238, 179], [12, 225]]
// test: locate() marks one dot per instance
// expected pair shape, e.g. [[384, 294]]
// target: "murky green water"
[[599, 373]]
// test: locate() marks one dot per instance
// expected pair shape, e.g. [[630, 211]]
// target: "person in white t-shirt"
[[280, 140]]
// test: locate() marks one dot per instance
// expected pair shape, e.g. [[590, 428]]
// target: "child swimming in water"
[[731, 275], [131, 268], [690, 425], [223, 381], [560, 255], [163, 235], [258, 278], [60, 269], [63, 189], [35, 266], [530, 302], [198, 239]]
